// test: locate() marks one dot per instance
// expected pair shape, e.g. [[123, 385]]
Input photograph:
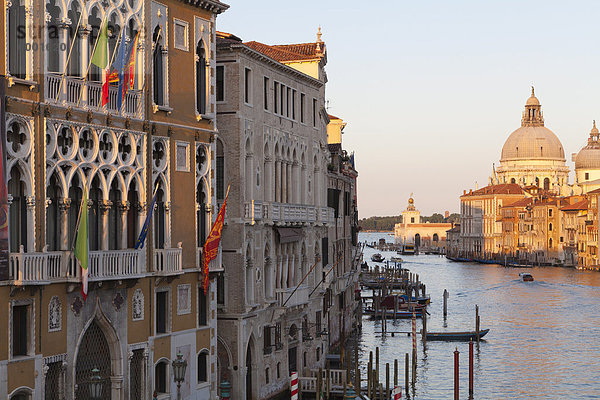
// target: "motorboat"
[[396, 259], [377, 257], [526, 277], [408, 249]]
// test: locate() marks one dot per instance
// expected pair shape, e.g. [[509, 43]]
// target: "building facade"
[[145, 305], [412, 231], [274, 312]]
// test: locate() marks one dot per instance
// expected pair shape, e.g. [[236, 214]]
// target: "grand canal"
[[544, 339]]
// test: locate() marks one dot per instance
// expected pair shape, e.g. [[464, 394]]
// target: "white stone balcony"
[[45, 267], [298, 298], [168, 261], [287, 213], [87, 95], [215, 265]]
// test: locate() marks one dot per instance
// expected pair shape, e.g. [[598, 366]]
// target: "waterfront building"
[[344, 314], [573, 225], [275, 299], [481, 229], [412, 231], [144, 305], [453, 240], [533, 154]]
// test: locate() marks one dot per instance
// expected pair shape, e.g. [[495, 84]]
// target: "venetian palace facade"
[[530, 213], [278, 253], [144, 305]]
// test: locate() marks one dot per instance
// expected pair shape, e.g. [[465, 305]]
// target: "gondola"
[[457, 336]]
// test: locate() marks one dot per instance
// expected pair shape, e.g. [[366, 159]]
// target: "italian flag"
[[81, 244], [100, 59]]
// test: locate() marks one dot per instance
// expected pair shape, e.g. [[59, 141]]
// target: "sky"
[[431, 89]]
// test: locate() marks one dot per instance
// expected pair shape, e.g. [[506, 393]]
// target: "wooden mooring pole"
[[387, 380], [477, 322], [456, 353], [471, 368], [395, 372], [406, 373], [356, 371], [445, 303]]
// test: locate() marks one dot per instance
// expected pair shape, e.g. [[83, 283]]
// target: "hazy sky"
[[432, 89]]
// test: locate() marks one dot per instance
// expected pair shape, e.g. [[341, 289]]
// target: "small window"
[[314, 112], [202, 307], [247, 85], [294, 105], [266, 93], [20, 330], [412, 220], [318, 354], [160, 377], [550, 227], [275, 97], [221, 289], [220, 72], [302, 101], [282, 99], [162, 311], [587, 176], [267, 345], [181, 34], [203, 366], [288, 97], [183, 156], [278, 370], [549, 212], [267, 375]]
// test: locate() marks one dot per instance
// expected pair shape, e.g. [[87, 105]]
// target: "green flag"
[[81, 244], [100, 56]]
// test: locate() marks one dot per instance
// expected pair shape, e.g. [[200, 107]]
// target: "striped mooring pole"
[[294, 385]]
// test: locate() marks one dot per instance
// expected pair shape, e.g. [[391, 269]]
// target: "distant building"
[[412, 231]]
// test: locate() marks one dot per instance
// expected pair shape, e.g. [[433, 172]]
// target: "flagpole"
[[62, 78], [79, 218], [90, 63], [110, 63]]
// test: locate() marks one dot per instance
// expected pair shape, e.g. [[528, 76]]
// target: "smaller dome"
[[589, 156]]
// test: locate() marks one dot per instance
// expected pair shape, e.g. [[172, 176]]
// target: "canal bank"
[[542, 341]]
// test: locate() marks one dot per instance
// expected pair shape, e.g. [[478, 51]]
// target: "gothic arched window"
[[157, 68], [17, 211], [74, 40], [200, 78], [53, 215], [159, 219], [546, 184], [16, 39]]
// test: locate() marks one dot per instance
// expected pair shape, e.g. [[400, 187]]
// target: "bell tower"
[[532, 116]]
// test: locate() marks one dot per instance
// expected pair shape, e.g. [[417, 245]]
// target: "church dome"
[[532, 141], [589, 156]]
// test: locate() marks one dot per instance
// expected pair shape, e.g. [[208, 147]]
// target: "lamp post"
[[179, 366], [96, 385]]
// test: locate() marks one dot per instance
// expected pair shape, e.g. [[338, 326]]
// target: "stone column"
[[63, 209], [30, 200], [104, 207], [122, 208], [142, 212], [167, 224]]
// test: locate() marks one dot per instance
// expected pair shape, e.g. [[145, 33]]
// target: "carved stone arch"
[[25, 174], [136, 180], [113, 341], [83, 180], [21, 390], [60, 179], [104, 187], [163, 185]]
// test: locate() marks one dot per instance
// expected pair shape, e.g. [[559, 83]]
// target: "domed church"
[[533, 154], [587, 163]]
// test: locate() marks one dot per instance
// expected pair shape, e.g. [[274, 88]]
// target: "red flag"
[[211, 247]]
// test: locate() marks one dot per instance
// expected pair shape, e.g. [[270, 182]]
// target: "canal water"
[[544, 339]]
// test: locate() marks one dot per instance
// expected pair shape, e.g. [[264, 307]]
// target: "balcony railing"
[[300, 296], [286, 213], [42, 268], [168, 261], [88, 95]]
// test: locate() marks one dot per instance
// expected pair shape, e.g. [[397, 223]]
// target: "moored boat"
[[458, 336], [396, 259]]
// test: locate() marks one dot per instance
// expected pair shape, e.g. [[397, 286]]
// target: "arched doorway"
[[417, 240], [94, 352]]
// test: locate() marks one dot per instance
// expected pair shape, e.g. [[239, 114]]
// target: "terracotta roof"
[[580, 205], [333, 117], [505, 188], [287, 52], [520, 203], [227, 35]]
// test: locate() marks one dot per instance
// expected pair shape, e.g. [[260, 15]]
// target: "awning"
[[288, 235]]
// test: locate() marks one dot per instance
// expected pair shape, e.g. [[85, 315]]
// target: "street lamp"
[[179, 366], [96, 385]]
